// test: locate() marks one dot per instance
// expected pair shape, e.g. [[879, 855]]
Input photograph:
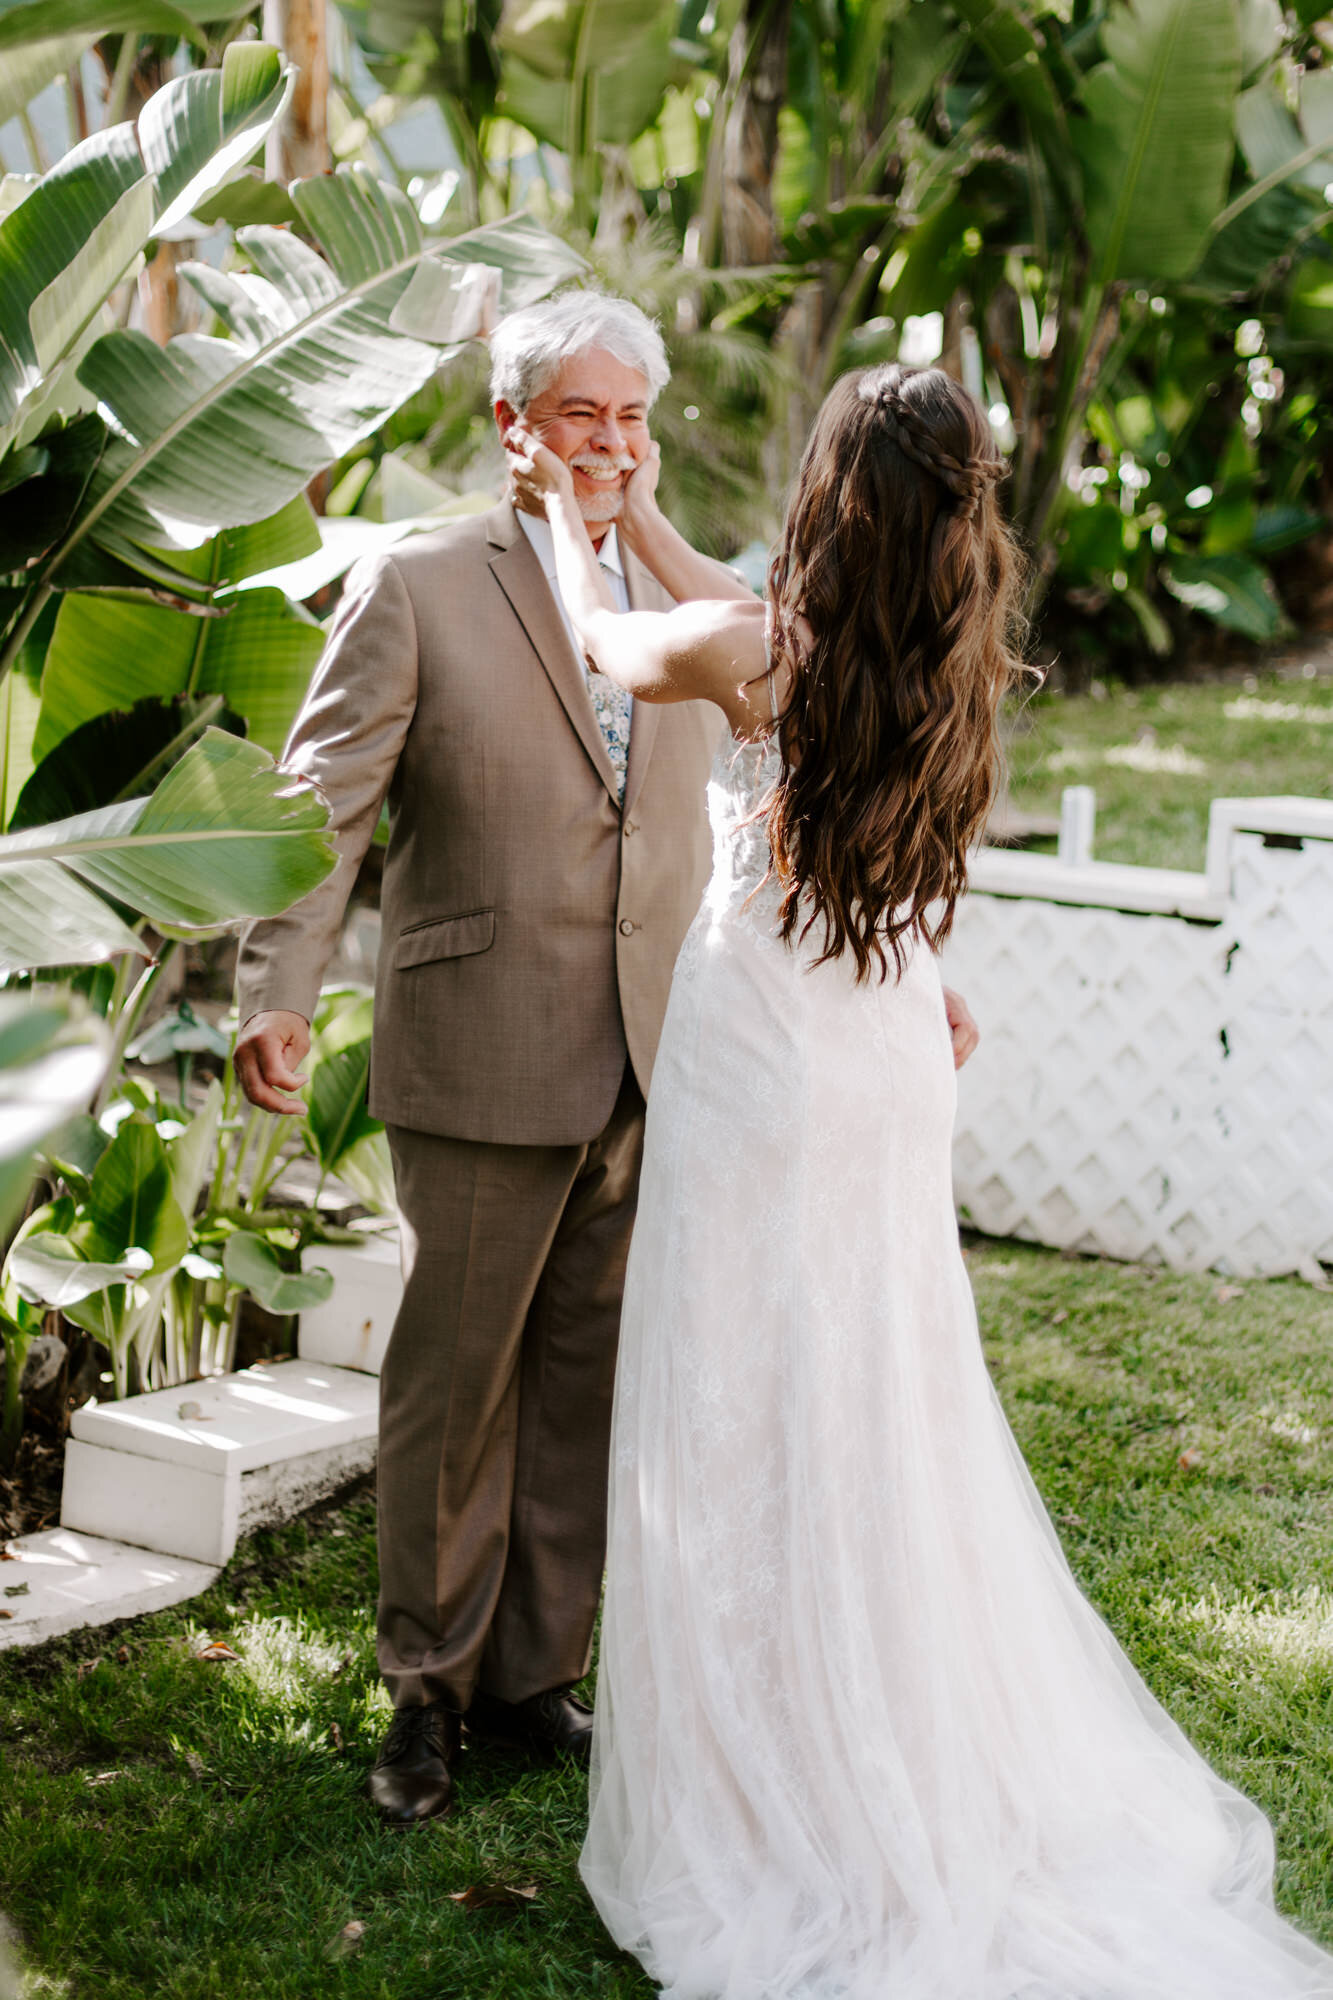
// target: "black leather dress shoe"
[[413, 1778], [556, 1722]]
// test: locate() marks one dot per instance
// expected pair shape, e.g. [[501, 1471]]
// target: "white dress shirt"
[[538, 531]]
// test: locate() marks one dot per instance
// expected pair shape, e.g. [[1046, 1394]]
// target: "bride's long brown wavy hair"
[[896, 555]]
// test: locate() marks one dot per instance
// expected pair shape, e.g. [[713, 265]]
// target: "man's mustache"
[[603, 461]]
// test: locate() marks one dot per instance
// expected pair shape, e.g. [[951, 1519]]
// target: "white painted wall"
[[1155, 1079]]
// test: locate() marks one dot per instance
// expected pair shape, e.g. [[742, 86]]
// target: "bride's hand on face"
[[640, 509], [535, 470]]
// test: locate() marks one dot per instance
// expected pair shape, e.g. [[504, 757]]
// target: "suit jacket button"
[[627, 929], [630, 827]]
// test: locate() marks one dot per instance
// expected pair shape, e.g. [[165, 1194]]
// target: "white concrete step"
[[184, 1471], [351, 1328], [58, 1580]]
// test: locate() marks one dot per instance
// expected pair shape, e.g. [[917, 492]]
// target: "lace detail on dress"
[[743, 774], [741, 778]]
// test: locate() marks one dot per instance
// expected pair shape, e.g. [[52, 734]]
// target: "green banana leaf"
[[1157, 142], [23, 22], [132, 1201], [226, 834], [130, 1229], [179, 1033], [26, 71], [336, 1118], [1014, 49], [192, 1153], [225, 431], [1290, 164], [37, 514], [1231, 589], [1309, 315], [68, 244], [44, 485], [439, 47], [75, 1151], [109, 653], [61, 252], [338, 1128], [246, 200], [251, 1262], [115, 567], [119, 755], [20, 707], [49, 1271], [585, 73], [201, 128], [53, 1056]]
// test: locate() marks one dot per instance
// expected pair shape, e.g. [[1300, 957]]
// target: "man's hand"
[[962, 1027], [269, 1050]]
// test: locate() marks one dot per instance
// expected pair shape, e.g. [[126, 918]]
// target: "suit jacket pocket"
[[444, 937]]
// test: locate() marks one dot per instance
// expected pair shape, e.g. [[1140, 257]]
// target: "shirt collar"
[[538, 531]]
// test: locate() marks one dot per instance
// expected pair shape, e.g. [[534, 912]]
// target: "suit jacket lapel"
[[519, 575], [645, 594]]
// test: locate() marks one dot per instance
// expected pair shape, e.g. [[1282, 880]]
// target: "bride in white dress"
[[858, 1736]]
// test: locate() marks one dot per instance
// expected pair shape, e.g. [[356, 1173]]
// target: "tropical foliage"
[[1110, 213], [162, 1218], [144, 486], [1109, 216], [149, 669], [1117, 211]]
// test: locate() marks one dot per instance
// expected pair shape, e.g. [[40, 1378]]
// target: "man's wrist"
[[257, 1013]]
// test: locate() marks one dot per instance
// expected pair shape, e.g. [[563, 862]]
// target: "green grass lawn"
[[1157, 756], [178, 1827]]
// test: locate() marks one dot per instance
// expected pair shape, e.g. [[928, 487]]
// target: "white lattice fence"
[[1156, 1073]]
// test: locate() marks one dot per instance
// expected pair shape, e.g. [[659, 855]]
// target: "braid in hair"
[[965, 478], [897, 560]]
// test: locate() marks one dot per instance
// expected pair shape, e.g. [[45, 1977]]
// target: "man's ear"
[[506, 416]]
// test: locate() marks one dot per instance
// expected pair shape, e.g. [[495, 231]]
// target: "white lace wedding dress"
[[859, 1736]]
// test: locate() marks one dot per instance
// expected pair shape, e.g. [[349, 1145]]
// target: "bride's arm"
[[680, 569], [704, 650]]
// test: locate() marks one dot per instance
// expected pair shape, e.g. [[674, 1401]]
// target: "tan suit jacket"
[[530, 928]]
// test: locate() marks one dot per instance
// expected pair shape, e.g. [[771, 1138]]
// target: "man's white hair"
[[529, 347]]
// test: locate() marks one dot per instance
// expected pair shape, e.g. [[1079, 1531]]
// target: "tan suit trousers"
[[495, 1408]]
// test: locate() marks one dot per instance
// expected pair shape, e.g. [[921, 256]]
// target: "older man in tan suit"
[[546, 854]]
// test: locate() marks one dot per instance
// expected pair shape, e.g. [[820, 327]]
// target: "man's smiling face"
[[593, 413]]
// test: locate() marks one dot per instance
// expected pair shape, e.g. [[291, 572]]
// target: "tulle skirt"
[[859, 1736]]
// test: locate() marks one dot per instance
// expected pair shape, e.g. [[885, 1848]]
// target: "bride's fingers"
[[529, 458]]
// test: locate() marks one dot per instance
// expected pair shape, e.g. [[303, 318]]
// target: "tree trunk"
[[155, 303], [164, 307], [298, 145], [750, 142]]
